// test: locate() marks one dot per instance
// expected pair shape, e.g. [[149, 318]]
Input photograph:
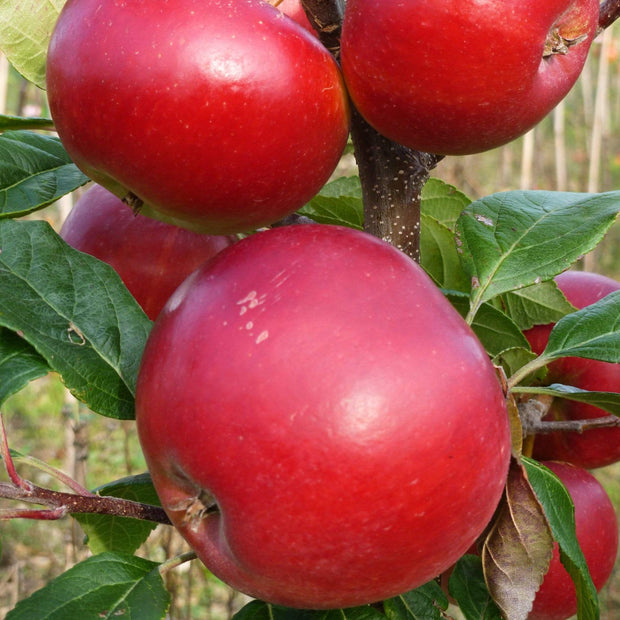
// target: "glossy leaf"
[[19, 364], [35, 171], [513, 359], [25, 31], [338, 202], [424, 603], [592, 332], [104, 586], [518, 549], [438, 255], [494, 328], [560, 512], [120, 534], [443, 202], [75, 311], [538, 304], [515, 239], [607, 401], [469, 589]]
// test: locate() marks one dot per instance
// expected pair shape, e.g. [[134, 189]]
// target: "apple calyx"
[[196, 507], [135, 203], [557, 44]]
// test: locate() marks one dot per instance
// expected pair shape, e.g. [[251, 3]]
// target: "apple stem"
[[608, 14]]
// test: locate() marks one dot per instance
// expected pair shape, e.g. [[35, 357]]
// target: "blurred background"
[[576, 148]]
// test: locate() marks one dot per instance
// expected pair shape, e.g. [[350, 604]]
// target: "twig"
[[392, 179], [533, 410], [575, 426], [325, 16], [58, 504], [608, 14], [168, 565]]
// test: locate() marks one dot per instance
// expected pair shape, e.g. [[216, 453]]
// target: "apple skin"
[[597, 533], [592, 448], [152, 258], [222, 116], [295, 11], [457, 77], [346, 421]]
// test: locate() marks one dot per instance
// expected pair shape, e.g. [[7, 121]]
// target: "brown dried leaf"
[[518, 548], [516, 429]]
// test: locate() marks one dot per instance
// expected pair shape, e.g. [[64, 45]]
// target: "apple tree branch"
[[392, 176], [57, 504], [609, 13]]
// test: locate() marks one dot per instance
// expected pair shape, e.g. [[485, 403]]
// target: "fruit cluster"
[[309, 403]]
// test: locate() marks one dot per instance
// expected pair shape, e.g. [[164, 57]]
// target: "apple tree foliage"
[[65, 312]]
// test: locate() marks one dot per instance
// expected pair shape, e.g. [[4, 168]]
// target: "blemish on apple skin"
[[262, 337]]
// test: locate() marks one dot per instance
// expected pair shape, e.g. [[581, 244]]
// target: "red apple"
[[223, 116], [596, 447], [597, 534], [151, 257], [320, 424], [295, 11], [462, 76]]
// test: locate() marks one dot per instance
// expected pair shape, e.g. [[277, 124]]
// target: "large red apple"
[[461, 76], [320, 424], [151, 257], [595, 447], [223, 116], [597, 534]]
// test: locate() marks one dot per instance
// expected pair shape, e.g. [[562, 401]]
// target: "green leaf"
[[35, 170], [496, 330], [10, 123], [539, 304], [424, 603], [259, 610], [513, 359], [514, 239], [443, 202], [75, 311], [439, 257], [103, 586], [339, 202], [19, 364], [608, 401], [25, 32], [592, 332], [469, 589], [518, 548], [120, 534], [560, 513]]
